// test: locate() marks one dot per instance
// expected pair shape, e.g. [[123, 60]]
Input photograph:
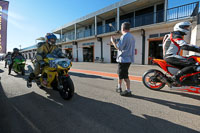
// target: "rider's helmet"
[[9, 52], [51, 38], [182, 27], [15, 50]]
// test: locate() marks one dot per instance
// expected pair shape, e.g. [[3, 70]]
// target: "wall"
[[74, 52], [193, 40], [138, 46], [107, 49]]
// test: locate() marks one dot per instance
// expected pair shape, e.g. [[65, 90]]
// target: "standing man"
[[125, 56]]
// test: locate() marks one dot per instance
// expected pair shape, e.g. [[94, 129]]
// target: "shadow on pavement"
[[188, 95], [173, 105], [82, 75], [81, 115], [1, 71], [11, 121], [19, 75]]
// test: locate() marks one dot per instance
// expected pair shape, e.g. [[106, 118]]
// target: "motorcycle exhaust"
[[163, 79]]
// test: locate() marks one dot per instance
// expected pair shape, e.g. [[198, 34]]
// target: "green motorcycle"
[[19, 65]]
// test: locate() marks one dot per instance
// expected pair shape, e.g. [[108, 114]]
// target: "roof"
[[29, 48], [99, 12]]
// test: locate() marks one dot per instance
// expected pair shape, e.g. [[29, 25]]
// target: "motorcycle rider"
[[13, 55], [43, 49], [172, 45], [7, 57]]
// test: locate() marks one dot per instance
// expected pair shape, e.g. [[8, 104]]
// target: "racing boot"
[[176, 78], [9, 71], [29, 80], [186, 70]]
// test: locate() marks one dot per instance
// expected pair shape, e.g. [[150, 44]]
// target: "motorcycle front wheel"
[[23, 71], [151, 81], [68, 89]]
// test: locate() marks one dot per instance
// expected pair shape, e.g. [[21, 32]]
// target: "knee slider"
[[197, 68]]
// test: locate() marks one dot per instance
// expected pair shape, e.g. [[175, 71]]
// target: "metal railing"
[[149, 18], [106, 28], [85, 33], [183, 11]]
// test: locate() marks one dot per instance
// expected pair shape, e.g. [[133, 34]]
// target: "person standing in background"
[[7, 57], [125, 56]]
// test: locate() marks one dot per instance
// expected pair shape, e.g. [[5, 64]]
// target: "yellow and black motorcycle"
[[54, 75]]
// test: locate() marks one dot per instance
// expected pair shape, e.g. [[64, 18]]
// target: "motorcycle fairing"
[[50, 77], [196, 58], [166, 67], [188, 75], [18, 64]]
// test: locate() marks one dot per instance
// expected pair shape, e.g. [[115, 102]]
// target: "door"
[[68, 52], [155, 50], [113, 54], [88, 54]]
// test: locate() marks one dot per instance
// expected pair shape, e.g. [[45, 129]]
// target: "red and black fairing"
[[166, 67], [192, 79]]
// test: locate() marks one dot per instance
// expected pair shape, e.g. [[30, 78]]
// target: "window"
[[127, 18], [88, 31], [160, 13], [99, 28]]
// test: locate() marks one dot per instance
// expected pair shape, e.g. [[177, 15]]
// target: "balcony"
[[149, 18], [184, 11], [66, 38], [85, 33], [106, 28]]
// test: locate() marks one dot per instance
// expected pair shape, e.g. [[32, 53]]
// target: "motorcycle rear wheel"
[[151, 81], [68, 89]]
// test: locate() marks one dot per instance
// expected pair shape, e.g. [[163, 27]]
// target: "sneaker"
[[119, 90], [126, 93]]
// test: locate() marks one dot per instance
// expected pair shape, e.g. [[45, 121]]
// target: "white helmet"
[[182, 27]]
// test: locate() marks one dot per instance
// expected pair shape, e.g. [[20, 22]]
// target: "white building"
[[29, 52], [86, 39]]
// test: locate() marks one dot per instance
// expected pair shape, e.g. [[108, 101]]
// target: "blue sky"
[[30, 19]]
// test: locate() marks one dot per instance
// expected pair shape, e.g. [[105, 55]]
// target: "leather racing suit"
[[172, 45]]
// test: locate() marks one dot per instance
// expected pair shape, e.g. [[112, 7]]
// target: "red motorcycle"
[[156, 80]]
